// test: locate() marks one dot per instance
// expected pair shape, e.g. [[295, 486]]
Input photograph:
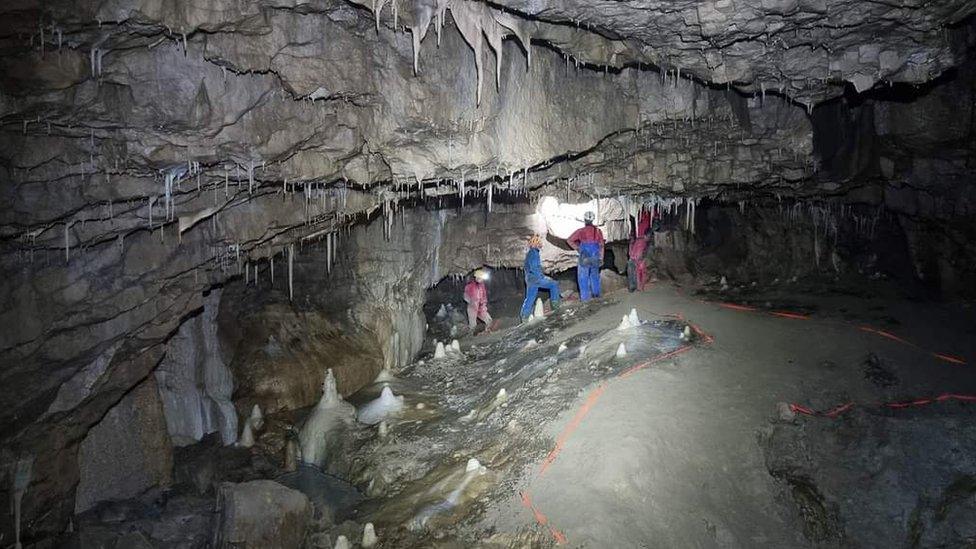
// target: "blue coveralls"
[[588, 270], [534, 281]]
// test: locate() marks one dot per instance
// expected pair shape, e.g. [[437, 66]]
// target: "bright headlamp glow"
[[563, 218]]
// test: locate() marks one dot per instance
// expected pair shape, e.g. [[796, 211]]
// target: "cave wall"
[[909, 150]]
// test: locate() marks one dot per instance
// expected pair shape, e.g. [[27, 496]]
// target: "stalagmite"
[[342, 543], [633, 318], [455, 346], [21, 473], [329, 413], [293, 451], [383, 429], [439, 351], [539, 311], [621, 351], [376, 410], [472, 469], [247, 436], [257, 418], [369, 536]]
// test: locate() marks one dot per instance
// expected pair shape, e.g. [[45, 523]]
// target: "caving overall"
[[476, 295], [535, 281], [588, 241]]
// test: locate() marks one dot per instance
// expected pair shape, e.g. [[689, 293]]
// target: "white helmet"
[[589, 217]]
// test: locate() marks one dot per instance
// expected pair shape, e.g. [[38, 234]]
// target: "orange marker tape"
[[542, 519], [571, 427], [949, 358], [883, 333], [795, 316], [735, 307]]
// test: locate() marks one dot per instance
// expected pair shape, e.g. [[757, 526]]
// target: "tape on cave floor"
[[591, 400], [836, 411], [868, 329]]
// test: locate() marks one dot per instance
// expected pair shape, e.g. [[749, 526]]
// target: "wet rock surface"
[[842, 477]]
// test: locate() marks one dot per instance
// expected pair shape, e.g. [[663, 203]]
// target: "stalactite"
[[291, 276]]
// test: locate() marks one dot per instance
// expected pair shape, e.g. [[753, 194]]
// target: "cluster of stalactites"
[[475, 20]]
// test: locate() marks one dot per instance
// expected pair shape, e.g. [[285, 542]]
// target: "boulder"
[[127, 452], [260, 514]]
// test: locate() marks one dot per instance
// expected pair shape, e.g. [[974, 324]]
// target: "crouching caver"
[[476, 296]]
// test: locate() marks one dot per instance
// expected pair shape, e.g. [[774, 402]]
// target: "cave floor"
[[683, 442], [698, 446]]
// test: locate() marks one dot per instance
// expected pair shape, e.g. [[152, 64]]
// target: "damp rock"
[[785, 412], [260, 513]]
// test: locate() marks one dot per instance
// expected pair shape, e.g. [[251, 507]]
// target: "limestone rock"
[[261, 514], [128, 452]]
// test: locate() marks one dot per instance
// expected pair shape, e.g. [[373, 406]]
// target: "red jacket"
[[476, 293], [637, 248], [589, 233]]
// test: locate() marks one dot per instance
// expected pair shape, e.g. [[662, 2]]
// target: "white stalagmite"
[[342, 543], [502, 396], [247, 436], [455, 346], [383, 429], [257, 418], [439, 351], [539, 312], [621, 350], [633, 318], [329, 413], [369, 536], [624, 323], [472, 469], [377, 410]]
